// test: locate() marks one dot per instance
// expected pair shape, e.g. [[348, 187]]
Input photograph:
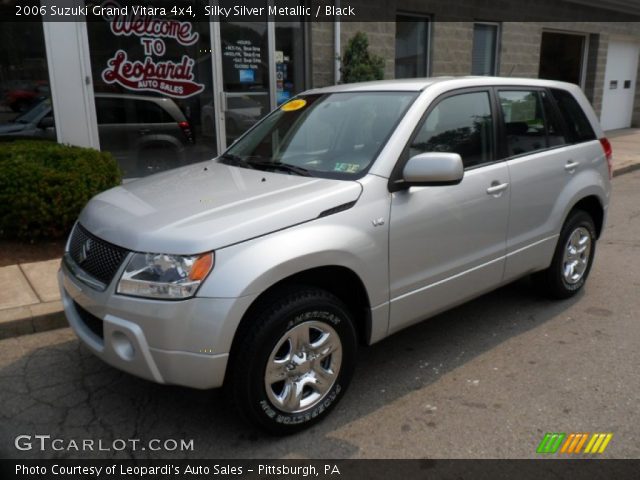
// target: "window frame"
[[428, 20], [395, 179], [498, 47], [504, 151]]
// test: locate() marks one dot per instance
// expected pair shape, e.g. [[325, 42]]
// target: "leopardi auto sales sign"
[[175, 79]]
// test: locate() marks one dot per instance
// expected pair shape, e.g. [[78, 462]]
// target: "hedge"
[[45, 185]]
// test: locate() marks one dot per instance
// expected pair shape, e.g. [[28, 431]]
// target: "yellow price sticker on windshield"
[[293, 105]]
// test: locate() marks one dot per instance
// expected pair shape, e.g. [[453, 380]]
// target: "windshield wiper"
[[252, 162], [237, 160], [260, 165]]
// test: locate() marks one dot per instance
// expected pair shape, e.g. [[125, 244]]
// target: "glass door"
[[244, 75]]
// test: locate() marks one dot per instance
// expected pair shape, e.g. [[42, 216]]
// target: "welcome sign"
[[175, 79]]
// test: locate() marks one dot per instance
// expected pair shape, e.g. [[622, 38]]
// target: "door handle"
[[571, 166], [496, 188]]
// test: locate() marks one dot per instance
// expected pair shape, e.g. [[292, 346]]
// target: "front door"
[[447, 243]]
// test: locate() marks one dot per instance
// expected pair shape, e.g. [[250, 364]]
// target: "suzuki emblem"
[[84, 250]]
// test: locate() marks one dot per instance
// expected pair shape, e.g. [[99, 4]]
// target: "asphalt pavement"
[[485, 380]]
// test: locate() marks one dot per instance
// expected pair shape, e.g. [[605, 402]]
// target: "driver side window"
[[460, 124]]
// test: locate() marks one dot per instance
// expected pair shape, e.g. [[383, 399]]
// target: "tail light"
[[186, 130], [608, 153]]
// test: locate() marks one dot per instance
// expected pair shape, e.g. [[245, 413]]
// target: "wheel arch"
[[338, 280], [592, 205]]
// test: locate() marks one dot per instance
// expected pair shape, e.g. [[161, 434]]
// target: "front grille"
[[92, 322], [96, 257]]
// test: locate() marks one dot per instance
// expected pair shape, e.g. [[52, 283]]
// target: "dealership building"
[[161, 91]]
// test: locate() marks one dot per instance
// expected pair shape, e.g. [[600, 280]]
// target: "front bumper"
[[173, 342]]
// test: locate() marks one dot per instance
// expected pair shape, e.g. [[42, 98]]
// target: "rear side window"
[[578, 126], [530, 122], [523, 121], [459, 124], [555, 130]]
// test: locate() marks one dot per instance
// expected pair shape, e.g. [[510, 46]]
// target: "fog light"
[[123, 346]]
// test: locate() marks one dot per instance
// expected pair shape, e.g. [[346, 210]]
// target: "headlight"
[[158, 275]]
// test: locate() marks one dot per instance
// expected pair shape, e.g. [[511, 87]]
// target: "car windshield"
[[36, 111], [332, 135]]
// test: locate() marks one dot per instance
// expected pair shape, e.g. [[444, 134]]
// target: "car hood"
[[209, 205]]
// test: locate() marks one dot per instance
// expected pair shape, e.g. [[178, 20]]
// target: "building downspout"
[[336, 47]]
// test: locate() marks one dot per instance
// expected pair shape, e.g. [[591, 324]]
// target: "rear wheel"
[[295, 362], [572, 259]]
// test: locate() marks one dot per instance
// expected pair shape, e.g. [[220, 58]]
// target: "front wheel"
[[572, 259], [294, 363]]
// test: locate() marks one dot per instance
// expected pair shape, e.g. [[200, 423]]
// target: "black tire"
[[287, 312], [552, 281]]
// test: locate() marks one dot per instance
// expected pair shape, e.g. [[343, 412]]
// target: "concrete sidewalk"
[[30, 299]]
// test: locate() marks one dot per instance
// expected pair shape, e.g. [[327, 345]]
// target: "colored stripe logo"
[[574, 442]]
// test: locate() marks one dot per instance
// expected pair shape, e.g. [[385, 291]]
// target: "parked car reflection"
[[242, 112], [146, 134]]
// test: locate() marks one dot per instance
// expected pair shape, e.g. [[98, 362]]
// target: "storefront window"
[[153, 92], [24, 82]]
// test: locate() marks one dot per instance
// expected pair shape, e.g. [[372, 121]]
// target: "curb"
[[628, 169], [41, 317]]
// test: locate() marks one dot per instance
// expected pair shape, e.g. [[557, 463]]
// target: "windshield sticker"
[[293, 105], [346, 167]]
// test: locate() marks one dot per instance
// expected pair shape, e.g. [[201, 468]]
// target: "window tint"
[[524, 121], [460, 124], [149, 112], [578, 126], [555, 132], [110, 111]]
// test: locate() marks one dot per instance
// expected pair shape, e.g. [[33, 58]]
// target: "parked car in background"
[[347, 214], [25, 95], [146, 134], [37, 122]]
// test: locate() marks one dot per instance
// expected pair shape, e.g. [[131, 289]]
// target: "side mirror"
[[46, 122], [432, 169]]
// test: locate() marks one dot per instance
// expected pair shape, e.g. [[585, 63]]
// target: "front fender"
[[251, 267]]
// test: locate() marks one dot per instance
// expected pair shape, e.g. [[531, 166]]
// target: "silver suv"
[[345, 215]]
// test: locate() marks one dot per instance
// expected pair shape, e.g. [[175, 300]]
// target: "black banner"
[[574, 469], [319, 10]]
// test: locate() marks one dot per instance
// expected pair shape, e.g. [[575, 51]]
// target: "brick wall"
[[321, 51], [451, 47]]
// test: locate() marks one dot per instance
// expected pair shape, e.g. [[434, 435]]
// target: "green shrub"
[[45, 185], [358, 65]]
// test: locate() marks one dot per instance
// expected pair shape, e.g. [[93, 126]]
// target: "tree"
[[358, 65]]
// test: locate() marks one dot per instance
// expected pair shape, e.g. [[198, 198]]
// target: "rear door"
[[542, 158], [447, 243]]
